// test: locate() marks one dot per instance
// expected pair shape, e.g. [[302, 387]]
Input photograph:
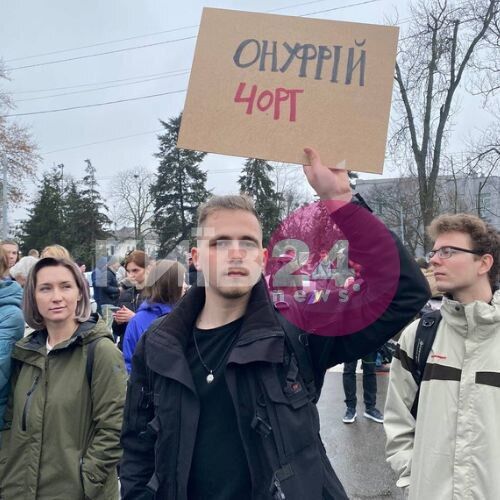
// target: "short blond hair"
[[32, 314], [226, 202], [56, 252]]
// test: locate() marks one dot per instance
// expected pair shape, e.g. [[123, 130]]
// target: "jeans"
[[369, 382]]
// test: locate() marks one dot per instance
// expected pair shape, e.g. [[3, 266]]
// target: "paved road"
[[356, 450]]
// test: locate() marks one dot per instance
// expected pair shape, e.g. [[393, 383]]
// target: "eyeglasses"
[[447, 252]]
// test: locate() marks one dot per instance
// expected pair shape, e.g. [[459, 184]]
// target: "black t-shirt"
[[219, 470]]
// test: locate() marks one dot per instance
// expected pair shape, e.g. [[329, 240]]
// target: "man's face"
[[230, 252], [12, 252], [462, 270]]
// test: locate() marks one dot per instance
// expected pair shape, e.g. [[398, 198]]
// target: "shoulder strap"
[[298, 343], [90, 358], [424, 338]]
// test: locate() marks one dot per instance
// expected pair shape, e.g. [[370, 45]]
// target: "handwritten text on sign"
[[265, 86], [312, 58]]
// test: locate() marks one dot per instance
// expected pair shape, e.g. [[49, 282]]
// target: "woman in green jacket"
[[61, 438]]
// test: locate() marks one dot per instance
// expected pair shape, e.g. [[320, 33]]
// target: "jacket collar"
[[261, 337], [34, 344]]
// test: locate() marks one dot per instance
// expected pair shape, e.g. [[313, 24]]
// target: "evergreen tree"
[[71, 216], [45, 222], [88, 219], [256, 182], [178, 191], [73, 213]]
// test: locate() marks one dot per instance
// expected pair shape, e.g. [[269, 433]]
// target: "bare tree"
[[443, 42], [290, 183], [132, 200], [393, 200], [485, 162], [18, 151]]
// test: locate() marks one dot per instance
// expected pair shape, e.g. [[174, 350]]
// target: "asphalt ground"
[[357, 451]]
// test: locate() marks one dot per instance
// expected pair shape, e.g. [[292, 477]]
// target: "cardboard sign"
[[266, 86]]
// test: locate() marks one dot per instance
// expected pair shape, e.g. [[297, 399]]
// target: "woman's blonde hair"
[[56, 252], [32, 314], [4, 262]]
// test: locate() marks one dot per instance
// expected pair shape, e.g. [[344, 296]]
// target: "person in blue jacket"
[[164, 286], [11, 328]]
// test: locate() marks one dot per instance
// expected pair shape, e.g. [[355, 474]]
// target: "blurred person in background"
[[55, 251], [11, 328], [164, 286], [11, 249], [121, 273], [64, 415], [131, 294], [104, 282], [20, 270]]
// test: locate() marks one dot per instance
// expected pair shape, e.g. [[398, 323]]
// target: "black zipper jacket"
[[279, 427]]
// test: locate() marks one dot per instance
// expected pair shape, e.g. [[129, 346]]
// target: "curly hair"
[[484, 237]]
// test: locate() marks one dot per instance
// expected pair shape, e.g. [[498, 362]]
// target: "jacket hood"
[[155, 307], [31, 349], [10, 293]]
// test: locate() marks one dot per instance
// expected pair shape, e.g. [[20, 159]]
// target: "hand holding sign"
[[330, 183]]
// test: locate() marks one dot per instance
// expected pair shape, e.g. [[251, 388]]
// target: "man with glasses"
[[452, 449]]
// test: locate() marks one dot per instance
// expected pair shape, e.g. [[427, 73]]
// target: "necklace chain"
[[210, 376]]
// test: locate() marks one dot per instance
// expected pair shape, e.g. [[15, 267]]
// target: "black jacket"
[[277, 415], [131, 298], [106, 289]]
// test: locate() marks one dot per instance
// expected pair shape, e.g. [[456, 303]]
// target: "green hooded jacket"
[[62, 436]]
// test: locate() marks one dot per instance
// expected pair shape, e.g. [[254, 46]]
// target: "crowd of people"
[[210, 392]]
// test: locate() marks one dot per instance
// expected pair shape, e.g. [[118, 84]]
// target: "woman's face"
[[56, 294], [135, 273]]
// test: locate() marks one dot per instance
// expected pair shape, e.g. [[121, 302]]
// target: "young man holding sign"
[[222, 396]]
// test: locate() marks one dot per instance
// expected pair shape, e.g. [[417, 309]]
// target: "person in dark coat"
[[192, 274], [219, 404], [106, 289], [130, 297]]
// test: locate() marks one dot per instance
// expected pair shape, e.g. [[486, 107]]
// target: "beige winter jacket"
[[452, 450]]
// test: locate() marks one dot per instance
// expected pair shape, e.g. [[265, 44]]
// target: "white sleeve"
[[399, 423]]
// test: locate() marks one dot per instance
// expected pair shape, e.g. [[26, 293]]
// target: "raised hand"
[[330, 183]]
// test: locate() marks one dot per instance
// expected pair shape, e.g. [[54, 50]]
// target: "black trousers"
[[369, 382]]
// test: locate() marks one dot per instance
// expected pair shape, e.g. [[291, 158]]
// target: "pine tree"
[[178, 191], [89, 219], [45, 223], [70, 216], [256, 182], [74, 240]]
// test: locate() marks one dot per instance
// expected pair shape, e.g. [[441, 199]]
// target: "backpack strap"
[[424, 338], [298, 343], [90, 359]]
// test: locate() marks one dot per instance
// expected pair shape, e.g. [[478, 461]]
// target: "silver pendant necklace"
[[210, 377]]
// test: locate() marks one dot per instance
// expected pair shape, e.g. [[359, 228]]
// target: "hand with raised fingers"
[[330, 183]]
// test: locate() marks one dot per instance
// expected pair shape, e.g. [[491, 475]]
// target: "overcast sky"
[[120, 136]]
